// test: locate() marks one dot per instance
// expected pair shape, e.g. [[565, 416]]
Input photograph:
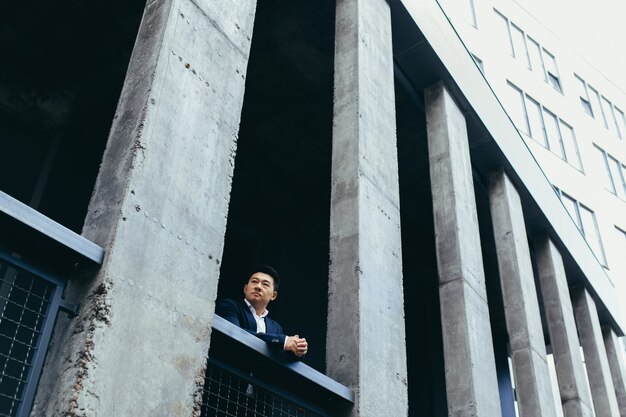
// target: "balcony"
[[245, 377], [36, 257]]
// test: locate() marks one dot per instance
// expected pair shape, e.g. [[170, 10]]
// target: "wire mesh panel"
[[226, 394], [24, 304]]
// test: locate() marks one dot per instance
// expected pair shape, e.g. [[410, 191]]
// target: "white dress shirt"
[[260, 320]]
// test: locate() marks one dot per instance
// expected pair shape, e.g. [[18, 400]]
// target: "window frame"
[[577, 205], [552, 134], [585, 101]]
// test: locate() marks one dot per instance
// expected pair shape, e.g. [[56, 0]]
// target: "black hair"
[[266, 269]]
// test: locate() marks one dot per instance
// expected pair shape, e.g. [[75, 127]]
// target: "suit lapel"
[[249, 319]]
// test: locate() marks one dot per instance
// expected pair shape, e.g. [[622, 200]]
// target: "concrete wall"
[[365, 347], [159, 209]]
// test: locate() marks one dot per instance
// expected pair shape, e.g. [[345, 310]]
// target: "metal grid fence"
[[24, 302], [228, 393]]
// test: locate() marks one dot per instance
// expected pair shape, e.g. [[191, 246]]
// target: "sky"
[[594, 29]]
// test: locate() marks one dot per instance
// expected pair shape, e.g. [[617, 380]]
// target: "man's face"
[[259, 290]]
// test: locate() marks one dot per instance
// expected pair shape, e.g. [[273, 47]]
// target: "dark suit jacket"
[[238, 313]]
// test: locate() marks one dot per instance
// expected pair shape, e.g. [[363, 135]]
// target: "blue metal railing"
[[30, 299], [246, 377]]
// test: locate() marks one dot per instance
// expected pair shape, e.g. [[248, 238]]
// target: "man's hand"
[[296, 345]]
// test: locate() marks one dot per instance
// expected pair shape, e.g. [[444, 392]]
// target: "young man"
[[251, 313]]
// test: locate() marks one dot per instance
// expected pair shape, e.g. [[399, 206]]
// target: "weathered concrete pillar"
[[596, 361], [159, 209], [521, 308], [615, 354], [365, 347], [573, 386], [472, 387]]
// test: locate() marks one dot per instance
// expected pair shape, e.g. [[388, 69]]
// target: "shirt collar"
[[251, 307]]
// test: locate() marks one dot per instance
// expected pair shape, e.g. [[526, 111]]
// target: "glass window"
[[606, 110], [615, 174], [614, 118], [621, 122], [552, 132], [534, 53], [551, 71], [591, 233], [519, 45], [479, 62], [572, 208], [597, 107], [622, 172], [537, 131], [570, 146], [584, 95], [517, 108], [471, 13], [505, 34], [615, 170], [608, 183]]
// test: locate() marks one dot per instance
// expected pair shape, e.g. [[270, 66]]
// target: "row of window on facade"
[[539, 60], [543, 126], [585, 219], [598, 107]]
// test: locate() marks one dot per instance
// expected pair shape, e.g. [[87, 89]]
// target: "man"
[[251, 313]]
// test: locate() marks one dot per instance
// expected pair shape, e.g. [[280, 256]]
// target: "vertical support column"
[[615, 354], [472, 387], [159, 209], [366, 336], [596, 361], [570, 371], [521, 308]]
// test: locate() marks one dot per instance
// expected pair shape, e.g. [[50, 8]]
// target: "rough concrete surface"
[[471, 384], [159, 209], [573, 386], [365, 339], [521, 307], [596, 361], [615, 354]]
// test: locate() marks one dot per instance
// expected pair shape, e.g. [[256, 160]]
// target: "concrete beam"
[[596, 361], [615, 354], [573, 386], [159, 208], [471, 383], [521, 308], [365, 347]]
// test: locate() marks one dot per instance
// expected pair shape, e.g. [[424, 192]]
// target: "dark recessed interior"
[[280, 200], [63, 67]]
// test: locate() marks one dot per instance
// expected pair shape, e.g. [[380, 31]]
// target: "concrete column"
[[471, 383], [365, 347], [159, 209], [573, 386], [596, 361], [521, 308], [615, 354]]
